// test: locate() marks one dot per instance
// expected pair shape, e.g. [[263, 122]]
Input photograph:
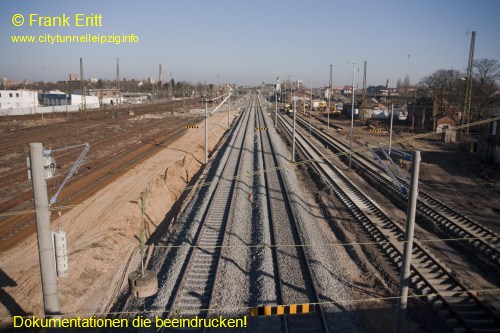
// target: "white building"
[[89, 100], [18, 99]]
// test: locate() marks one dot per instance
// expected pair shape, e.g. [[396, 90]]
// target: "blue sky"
[[245, 42]]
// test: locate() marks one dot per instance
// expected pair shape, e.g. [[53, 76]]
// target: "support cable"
[[75, 167]]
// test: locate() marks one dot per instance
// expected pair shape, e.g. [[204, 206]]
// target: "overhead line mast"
[[330, 89], [468, 90], [364, 84]]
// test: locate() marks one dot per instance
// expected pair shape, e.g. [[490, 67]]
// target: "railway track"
[[287, 259], [151, 133], [190, 275], [17, 140], [132, 144], [462, 310], [52, 134], [193, 296], [16, 228], [484, 243]]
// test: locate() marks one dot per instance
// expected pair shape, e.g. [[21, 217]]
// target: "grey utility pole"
[[329, 97], [293, 135], [206, 130], [276, 102], [390, 129], [352, 115], [44, 236], [310, 108], [404, 279], [82, 89]]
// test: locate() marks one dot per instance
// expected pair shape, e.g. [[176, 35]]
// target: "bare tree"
[[445, 86], [486, 75]]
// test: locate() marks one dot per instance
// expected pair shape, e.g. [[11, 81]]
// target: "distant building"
[[89, 100], [379, 91], [18, 99], [135, 97], [444, 122], [347, 90], [54, 98], [57, 98], [73, 77], [109, 96], [333, 92], [299, 96]]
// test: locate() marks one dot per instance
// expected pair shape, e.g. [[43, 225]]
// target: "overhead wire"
[[58, 208], [326, 157], [312, 245], [248, 308], [303, 162], [31, 211]]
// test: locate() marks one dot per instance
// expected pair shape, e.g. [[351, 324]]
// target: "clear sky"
[[245, 42]]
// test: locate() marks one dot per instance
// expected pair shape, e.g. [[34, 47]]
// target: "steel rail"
[[194, 294], [456, 223], [271, 163], [429, 275]]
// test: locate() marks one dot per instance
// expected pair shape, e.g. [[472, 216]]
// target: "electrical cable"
[[248, 308], [260, 171]]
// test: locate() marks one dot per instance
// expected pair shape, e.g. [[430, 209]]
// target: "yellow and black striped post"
[[280, 310], [192, 126]]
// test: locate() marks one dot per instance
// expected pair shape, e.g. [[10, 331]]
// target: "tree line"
[[447, 87]]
